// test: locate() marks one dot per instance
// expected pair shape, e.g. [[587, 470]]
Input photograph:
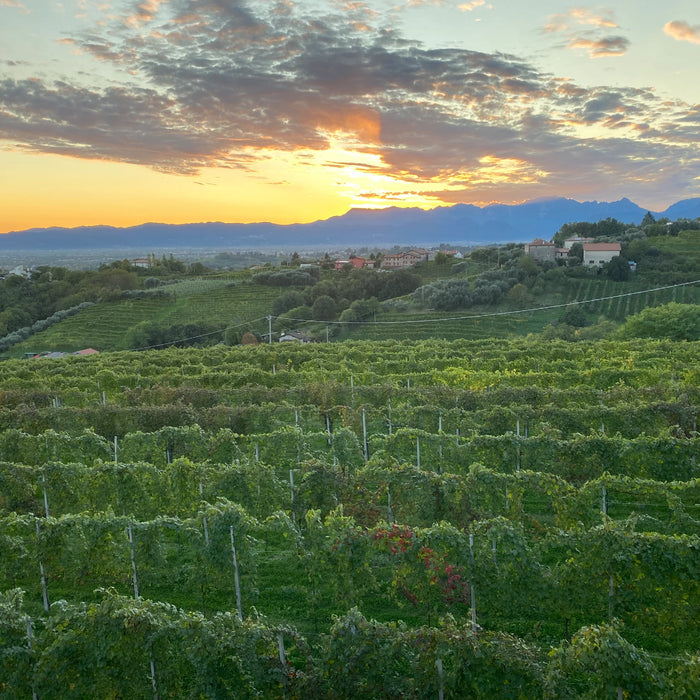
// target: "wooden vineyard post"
[[236, 579], [604, 504], [418, 452], [30, 647], [204, 519], [472, 592], [441, 680], [154, 685], [132, 550], [44, 587], [116, 451], [46, 497], [364, 436]]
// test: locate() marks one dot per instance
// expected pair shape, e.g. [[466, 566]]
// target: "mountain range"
[[461, 224]]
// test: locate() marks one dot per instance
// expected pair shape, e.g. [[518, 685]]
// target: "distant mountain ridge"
[[461, 224]]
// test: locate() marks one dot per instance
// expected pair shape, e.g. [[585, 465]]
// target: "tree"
[[323, 309], [618, 269], [575, 256], [574, 316], [249, 339], [648, 219], [674, 321]]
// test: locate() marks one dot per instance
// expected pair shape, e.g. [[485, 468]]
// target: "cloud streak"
[[207, 83]]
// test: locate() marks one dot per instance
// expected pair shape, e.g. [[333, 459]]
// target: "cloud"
[[579, 16], [585, 29], [16, 5], [473, 5], [682, 31], [601, 48], [208, 83]]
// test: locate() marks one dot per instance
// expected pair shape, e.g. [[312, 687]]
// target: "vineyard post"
[[30, 647], [517, 456], [269, 329], [236, 580], [46, 498], [116, 452], [418, 452], [441, 681], [44, 588], [440, 446], [389, 414], [154, 685], [472, 592], [291, 486], [204, 519], [132, 549], [280, 648], [364, 436], [604, 499], [283, 658]]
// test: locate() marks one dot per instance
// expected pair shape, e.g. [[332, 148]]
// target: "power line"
[[504, 313]]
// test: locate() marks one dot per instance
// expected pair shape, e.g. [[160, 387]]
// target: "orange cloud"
[[682, 31], [601, 48]]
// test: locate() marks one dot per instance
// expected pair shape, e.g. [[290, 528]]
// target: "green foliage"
[[673, 321], [521, 521]]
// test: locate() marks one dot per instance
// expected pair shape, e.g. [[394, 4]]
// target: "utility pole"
[[269, 329]]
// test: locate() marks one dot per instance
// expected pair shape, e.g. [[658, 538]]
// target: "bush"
[[673, 321]]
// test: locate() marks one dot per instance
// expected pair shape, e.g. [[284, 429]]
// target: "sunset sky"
[[124, 112]]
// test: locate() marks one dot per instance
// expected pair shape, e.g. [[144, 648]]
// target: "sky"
[[122, 112]]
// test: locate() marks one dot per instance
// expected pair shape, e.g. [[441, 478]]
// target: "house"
[[597, 254], [408, 258], [86, 351], [294, 337], [141, 262], [541, 250], [561, 253], [355, 263]]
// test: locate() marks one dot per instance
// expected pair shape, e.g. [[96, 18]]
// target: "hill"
[[507, 295], [460, 224]]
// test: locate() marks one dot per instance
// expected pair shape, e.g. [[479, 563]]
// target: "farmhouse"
[[355, 263], [541, 250], [597, 254], [408, 258]]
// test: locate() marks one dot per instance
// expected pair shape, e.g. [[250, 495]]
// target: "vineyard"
[[367, 519]]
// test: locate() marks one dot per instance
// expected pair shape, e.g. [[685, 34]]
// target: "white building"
[[597, 254]]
